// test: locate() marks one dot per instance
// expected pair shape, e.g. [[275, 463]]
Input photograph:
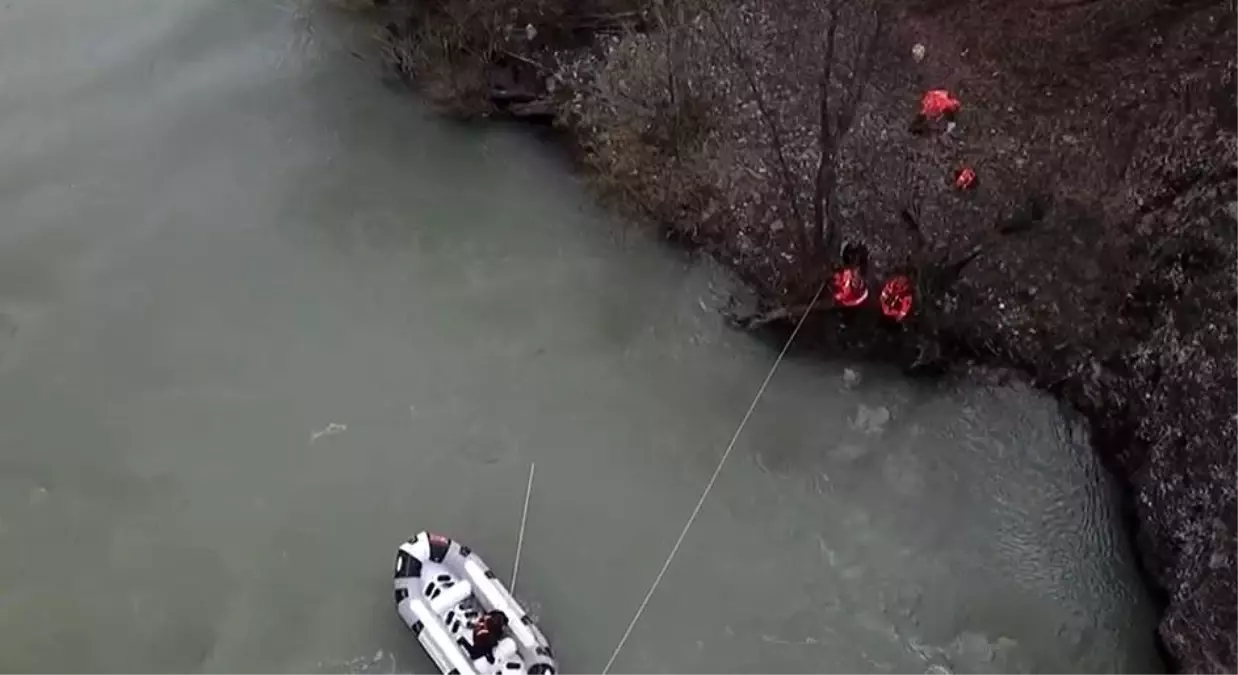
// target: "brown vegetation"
[[769, 132]]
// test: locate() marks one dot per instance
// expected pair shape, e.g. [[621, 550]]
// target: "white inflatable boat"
[[441, 588]]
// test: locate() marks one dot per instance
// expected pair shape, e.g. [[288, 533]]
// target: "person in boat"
[[486, 633]]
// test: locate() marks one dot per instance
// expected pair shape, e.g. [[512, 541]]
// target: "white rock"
[[847, 452], [871, 420], [917, 52]]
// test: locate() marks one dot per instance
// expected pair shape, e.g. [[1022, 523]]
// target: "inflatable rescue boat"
[[442, 588]]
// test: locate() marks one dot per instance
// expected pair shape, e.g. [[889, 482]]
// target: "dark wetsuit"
[[486, 634]]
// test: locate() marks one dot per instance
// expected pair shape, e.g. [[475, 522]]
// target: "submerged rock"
[[871, 420]]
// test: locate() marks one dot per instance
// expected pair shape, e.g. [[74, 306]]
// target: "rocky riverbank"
[[1095, 250]]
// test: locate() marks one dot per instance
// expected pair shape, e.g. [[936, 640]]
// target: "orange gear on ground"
[[964, 179], [937, 103], [849, 287], [897, 297]]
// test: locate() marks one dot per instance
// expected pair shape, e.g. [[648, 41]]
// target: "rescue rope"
[[712, 479], [524, 518]]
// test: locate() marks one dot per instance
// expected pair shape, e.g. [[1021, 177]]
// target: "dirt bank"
[[1095, 252]]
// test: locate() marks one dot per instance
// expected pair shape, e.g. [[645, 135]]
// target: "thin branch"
[[844, 118], [1061, 4], [825, 137], [775, 136], [659, 11], [757, 320], [918, 243], [541, 68]]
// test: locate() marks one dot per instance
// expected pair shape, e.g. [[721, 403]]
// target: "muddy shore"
[[1095, 252]]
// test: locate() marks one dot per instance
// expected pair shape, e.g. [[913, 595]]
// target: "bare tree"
[[816, 239], [834, 122], [744, 64]]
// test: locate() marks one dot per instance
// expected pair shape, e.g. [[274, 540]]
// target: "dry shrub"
[[448, 48], [707, 122], [473, 57], [643, 123], [444, 46]]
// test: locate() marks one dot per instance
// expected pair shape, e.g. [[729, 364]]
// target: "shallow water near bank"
[[263, 317]]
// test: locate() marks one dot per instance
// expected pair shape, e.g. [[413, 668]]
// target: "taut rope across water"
[[712, 479], [524, 518]]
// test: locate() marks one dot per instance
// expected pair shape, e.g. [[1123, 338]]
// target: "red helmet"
[[897, 297]]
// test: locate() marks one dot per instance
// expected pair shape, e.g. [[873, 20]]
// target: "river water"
[[262, 317]]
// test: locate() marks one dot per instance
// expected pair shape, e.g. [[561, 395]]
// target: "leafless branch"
[[776, 138], [668, 35], [825, 136], [842, 114]]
